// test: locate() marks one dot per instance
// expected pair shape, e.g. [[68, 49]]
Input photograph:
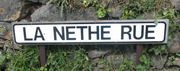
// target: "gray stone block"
[[176, 4], [47, 13], [9, 9]]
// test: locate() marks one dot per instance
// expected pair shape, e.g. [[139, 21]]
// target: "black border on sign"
[[92, 22]]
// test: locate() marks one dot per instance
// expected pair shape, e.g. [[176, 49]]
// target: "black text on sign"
[[81, 32]]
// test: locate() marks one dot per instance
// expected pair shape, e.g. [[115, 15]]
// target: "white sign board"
[[92, 32]]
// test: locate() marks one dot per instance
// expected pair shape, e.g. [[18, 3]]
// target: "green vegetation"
[[127, 65], [59, 58], [132, 9], [101, 10]]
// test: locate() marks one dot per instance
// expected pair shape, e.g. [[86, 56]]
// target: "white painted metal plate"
[[92, 32]]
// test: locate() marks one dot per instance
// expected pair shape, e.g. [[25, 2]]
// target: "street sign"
[[92, 32]]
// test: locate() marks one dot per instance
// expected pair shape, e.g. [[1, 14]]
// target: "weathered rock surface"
[[175, 44], [39, 1], [115, 9], [173, 62], [95, 62], [115, 12], [176, 4], [147, 16], [176, 61], [104, 3], [10, 9], [167, 69], [84, 14], [159, 61], [50, 13], [97, 53], [116, 60], [177, 20], [47, 13]]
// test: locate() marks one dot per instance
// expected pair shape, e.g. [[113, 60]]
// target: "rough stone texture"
[[39, 1], [105, 3], [176, 4], [47, 13], [115, 55], [97, 53], [27, 9], [115, 12], [177, 20], [175, 44], [146, 16], [9, 9], [115, 9], [176, 61], [120, 52], [173, 62], [97, 65], [116, 60], [84, 14], [95, 62], [5, 31], [159, 61], [167, 69], [24, 20], [50, 13]]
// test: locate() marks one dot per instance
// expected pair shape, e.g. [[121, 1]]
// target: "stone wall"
[[43, 10]]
